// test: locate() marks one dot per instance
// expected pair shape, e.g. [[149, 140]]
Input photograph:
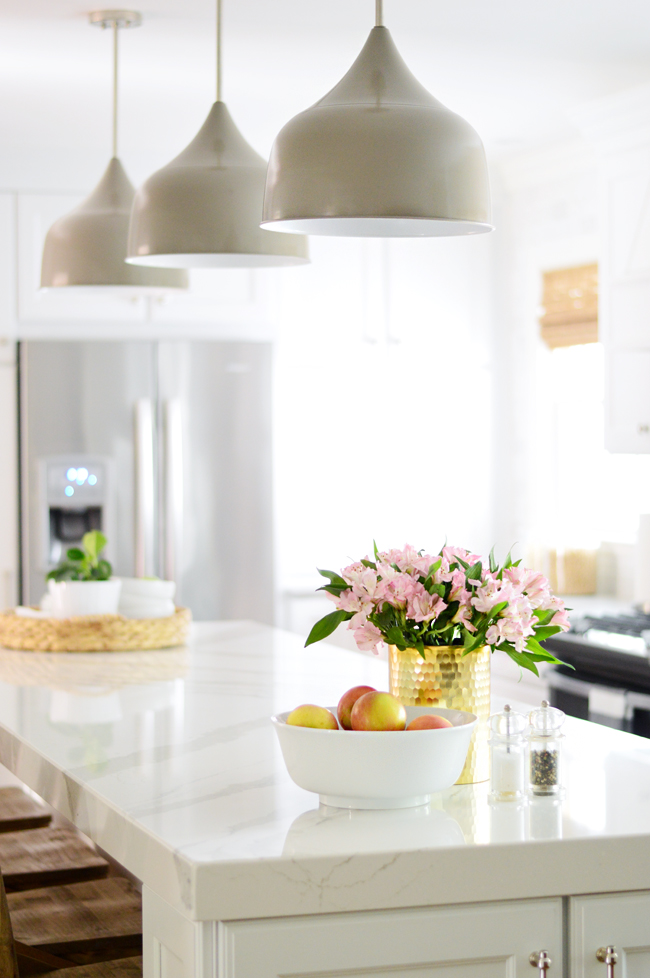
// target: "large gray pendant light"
[[378, 156], [204, 208], [87, 247]]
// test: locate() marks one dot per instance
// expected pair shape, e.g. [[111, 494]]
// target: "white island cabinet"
[[168, 762]]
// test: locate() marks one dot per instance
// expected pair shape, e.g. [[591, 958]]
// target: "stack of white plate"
[[146, 598]]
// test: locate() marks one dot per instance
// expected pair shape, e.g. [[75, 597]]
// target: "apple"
[[378, 711], [347, 701], [309, 715], [429, 721]]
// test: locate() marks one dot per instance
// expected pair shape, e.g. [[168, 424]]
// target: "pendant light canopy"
[[87, 247], [378, 156], [204, 208]]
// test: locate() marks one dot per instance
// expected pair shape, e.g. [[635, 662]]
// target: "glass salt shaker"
[[545, 744], [508, 753]]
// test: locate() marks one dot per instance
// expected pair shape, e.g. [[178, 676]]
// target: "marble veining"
[[169, 762]]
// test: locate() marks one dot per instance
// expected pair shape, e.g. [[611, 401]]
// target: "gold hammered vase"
[[448, 679]]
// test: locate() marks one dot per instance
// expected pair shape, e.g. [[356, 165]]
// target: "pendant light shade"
[[378, 157], [87, 247], [204, 208]]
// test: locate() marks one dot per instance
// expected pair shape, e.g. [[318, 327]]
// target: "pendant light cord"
[[218, 99], [379, 13], [115, 52]]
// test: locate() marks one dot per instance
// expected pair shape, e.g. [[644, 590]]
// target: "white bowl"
[[72, 598], [377, 769], [149, 590]]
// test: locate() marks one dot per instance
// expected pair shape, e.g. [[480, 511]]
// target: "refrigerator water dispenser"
[[75, 498]]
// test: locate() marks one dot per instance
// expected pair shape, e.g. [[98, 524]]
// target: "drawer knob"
[[541, 960], [644, 429], [607, 955]]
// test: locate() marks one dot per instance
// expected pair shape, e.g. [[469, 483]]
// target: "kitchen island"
[[168, 762]]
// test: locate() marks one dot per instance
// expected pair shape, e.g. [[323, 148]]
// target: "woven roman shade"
[[570, 306]]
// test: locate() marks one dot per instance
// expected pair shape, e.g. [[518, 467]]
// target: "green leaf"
[[508, 561], [326, 626], [75, 554], [542, 633], [394, 636], [334, 578], [498, 608], [334, 589], [475, 571], [103, 571], [543, 616], [523, 660], [93, 543], [493, 564], [369, 563], [374, 548]]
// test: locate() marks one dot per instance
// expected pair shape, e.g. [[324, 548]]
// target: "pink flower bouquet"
[[410, 599]]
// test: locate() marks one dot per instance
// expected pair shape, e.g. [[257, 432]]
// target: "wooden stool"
[[81, 923], [19, 811], [126, 968], [47, 857]]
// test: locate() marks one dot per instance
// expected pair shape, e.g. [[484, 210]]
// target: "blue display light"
[[71, 476], [69, 491], [92, 480], [82, 475]]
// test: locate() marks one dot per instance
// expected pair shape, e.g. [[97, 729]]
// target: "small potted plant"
[[82, 583]]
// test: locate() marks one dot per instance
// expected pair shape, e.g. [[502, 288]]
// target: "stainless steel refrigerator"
[[166, 447]]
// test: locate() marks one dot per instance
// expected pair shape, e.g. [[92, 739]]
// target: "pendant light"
[[204, 208], [378, 156], [87, 247]]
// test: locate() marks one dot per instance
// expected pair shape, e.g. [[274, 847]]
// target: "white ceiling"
[[513, 69]]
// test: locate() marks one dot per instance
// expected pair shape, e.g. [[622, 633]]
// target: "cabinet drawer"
[[622, 920], [490, 941]]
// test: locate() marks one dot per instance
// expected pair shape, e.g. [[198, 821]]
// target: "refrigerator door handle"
[[145, 516], [173, 487]]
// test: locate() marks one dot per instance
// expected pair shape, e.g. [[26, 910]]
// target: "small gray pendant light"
[[204, 208], [87, 247], [378, 156]]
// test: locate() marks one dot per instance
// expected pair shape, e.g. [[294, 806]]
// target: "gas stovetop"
[[613, 650]]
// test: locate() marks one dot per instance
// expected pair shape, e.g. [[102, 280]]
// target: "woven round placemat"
[[93, 633]]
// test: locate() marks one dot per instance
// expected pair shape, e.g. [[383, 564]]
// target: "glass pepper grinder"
[[508, 752], [545, 744]]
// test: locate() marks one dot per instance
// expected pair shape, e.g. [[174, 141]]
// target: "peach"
[[378, 711], [429, 721], [347, 701], [309, 715]]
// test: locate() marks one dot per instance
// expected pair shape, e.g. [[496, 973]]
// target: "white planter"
[[73, 598]]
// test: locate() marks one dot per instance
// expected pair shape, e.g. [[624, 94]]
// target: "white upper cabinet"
[[621, 921], [619, 127]]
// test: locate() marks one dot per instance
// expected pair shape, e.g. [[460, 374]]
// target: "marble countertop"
[[169, 762]]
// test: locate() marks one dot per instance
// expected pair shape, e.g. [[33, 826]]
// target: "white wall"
[[383, 401], [546, 209]]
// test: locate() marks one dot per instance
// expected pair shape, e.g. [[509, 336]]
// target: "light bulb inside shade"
[[378, 156], [379, 227]]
